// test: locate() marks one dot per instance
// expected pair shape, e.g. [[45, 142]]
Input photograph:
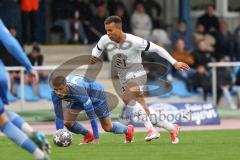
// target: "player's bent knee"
[[11, 115], [68, 124], [107, 128], [3, 119]]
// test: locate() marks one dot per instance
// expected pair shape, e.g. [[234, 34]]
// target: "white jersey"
[[131, 48], [126, 58]]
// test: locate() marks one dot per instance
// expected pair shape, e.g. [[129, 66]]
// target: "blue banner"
[[183, 114]]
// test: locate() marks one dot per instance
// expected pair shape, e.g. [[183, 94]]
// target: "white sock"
[[141, 115], [38, 154], [166, 125], [161, 122], [26, 128]]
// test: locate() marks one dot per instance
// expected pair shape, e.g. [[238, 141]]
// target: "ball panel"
[[62, 138]]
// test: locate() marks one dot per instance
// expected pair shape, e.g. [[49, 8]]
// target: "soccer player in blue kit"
[[84, 94], [11, 124]]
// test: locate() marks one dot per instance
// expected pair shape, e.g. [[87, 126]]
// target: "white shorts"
[[135, 74]]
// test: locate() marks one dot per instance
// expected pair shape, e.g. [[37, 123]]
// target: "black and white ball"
[[62, 138]]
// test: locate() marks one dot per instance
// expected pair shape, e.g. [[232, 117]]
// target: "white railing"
[[37, 68], [214, 75], [49, 68]]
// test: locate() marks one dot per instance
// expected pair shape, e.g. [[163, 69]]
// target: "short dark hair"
[[36, 48], [181, 21], [58, 81], [211, 5], [113, 19]]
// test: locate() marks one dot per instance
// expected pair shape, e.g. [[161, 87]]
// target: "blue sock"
[[77, 128], [59, 123], [119, 128], [15, 119], [18, 137]]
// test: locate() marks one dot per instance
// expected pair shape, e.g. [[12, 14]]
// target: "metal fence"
[[214, 67]]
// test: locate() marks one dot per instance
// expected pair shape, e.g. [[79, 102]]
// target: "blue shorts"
[[3, 87], [101, 109]]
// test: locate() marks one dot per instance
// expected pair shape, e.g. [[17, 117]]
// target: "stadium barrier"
[[37, 68], [214, 67], [51, 68]]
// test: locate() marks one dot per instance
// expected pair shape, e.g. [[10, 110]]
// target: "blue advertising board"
[[196, 113]]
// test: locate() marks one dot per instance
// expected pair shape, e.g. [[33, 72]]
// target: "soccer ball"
[[62, 138]]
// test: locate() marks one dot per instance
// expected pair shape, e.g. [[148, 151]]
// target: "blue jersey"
[[84, 95], [14, 47]]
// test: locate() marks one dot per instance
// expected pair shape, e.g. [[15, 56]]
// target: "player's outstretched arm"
[[163, 53], [93, 119], [84, 99], [57, 103], [16, 50], [14, 47]]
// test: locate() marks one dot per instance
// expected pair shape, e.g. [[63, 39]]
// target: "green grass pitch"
[[194, 145]]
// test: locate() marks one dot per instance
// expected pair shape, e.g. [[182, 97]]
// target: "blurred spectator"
[[182, 55], [79, 34], [237, 42], [209, 20], [236, 87], [160, 37], [35, 56], [84, 8], [10, 14], [201, 55], [97, 22], [141, 22], [153, 9], [225, 82], [208, 39], [200, 81], [81, 21], [36, 59], [122, 13], [112, 6], [62, 13], [97, 2], [29, 11], [225, 42], [182, 33]]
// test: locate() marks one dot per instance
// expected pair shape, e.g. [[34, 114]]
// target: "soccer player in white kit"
[[125, 50]]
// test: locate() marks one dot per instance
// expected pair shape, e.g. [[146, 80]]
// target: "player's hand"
[[92, 60], [181, 66], [95, 141], [34, 76]]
